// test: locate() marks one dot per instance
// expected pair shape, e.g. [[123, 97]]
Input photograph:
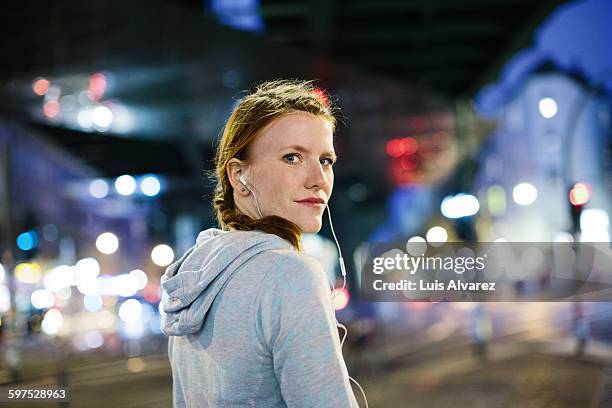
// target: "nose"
[[318, 177]]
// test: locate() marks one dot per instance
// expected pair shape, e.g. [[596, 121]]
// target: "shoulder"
[[290, 268]]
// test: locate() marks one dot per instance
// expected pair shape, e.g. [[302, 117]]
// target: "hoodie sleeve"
[[296, 323]]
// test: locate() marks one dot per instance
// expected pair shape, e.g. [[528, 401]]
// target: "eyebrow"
[[302, 149]]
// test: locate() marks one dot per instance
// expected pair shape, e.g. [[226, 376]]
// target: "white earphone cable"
[[335, 292]]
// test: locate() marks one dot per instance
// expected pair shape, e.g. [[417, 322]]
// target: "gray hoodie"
[[251, 324]]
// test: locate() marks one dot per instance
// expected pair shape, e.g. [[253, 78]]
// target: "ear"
[[234, 169]]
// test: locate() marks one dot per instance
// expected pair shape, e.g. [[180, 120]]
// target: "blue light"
[[240, 14], [27, 241]]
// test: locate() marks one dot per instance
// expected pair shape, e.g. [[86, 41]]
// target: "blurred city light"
[[140, 277], [51, 108], [5, 299], [88, 268], [152, 292], [42, 299], [595, 225], [524, 193], [64, 293], [102, 117], [150, 186], [107, 243], [28, 272], [123, 119], [341, 298], [162, 255], [85, 98], [125, 185], [124, 285], [84, 118], [59, 277], [98, 188], [2, 274], [547, 107], [93, 339], [130, 311], [68, 103], [97, 86], [135, 365], [52, 321], [404, 146], [580, 194], [460, 205], [243, 15], [88, 285], [409, 145], [133, 330], [416, 245], [394, 148], [27, 241], [53, 93], [40, 86], [93, 303], [496, 200], [436, 236]]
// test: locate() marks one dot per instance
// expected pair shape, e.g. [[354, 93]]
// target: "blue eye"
[[330, 161], [290, 155]]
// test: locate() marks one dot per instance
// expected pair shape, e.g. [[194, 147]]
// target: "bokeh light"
[[27, 241], [52, 321], [28, 272], [150, 186], [102, 117], [580, 194], [436, 236], [130, 310], [40, 86], [125, 185], [97, 86], [140, 278], [42, 299], [341, 298], [460, 205], [162, 255], [524, 193], [98, 188], [51, 109], [548, 107], [107, 243]]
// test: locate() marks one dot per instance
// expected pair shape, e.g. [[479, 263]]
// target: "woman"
[[249, 315]]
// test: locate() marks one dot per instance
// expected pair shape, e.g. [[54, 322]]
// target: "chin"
[[310, 226]]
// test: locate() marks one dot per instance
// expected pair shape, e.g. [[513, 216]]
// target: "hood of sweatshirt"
[[191, 284]]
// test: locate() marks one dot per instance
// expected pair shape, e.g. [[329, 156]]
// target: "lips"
[[312, 200]]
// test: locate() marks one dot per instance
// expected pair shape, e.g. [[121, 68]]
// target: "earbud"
[[253, 196], [243, 181]]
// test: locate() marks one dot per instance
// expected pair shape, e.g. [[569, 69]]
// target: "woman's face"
[[291, 168]]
